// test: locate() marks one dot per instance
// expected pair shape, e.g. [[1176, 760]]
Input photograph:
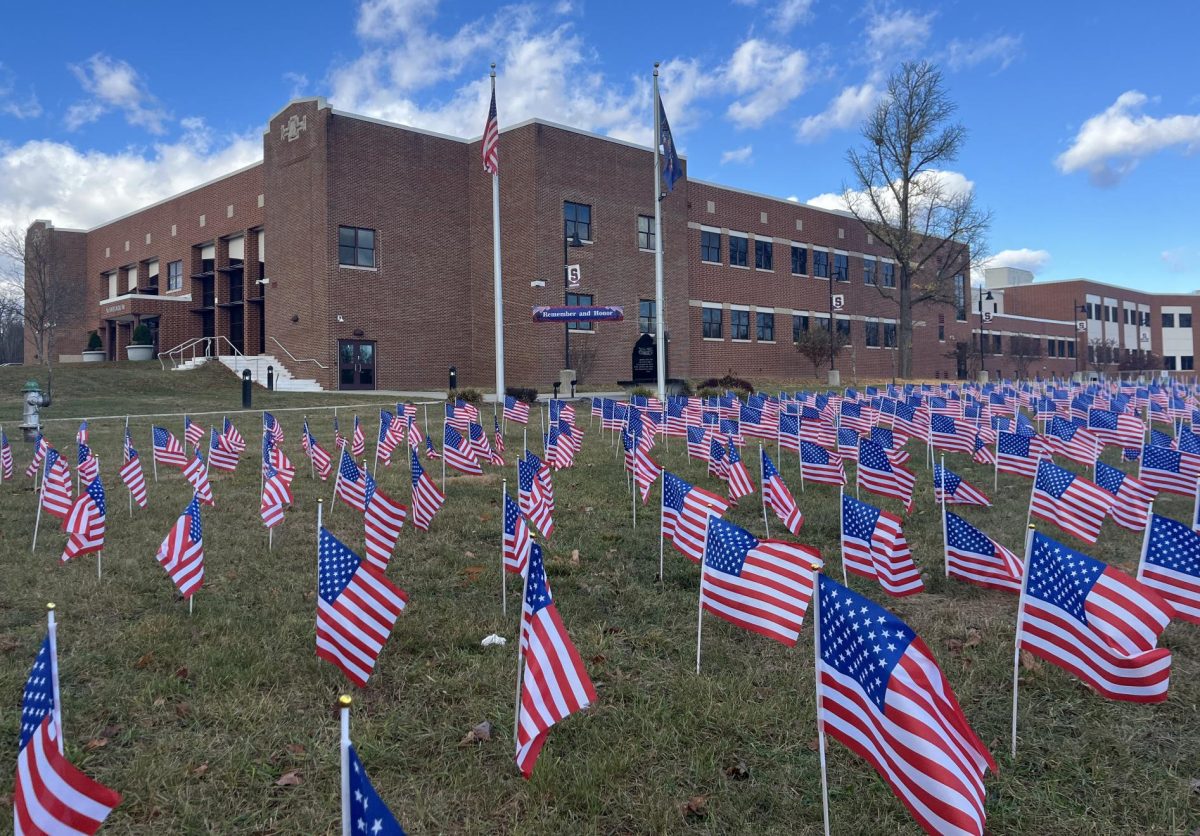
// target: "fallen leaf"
[[295, 749], [290, 779], [470, 555], [814, 745], [110, 731], [613, 630], [182, 710], [480, 733], [95, 743], [694, 807], [1030, 662], [588, 509], [231, 575], [199, 770], [954, 645], [575, 556], [159, 702], [144, 660], [599, 659], [738, 771], [973, 638], [472, 573], [181, 673], [1194, 784]]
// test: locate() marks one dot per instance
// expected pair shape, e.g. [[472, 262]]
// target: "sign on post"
[[578, 313]]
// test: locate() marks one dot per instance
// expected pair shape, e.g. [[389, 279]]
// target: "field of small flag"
[[217, 712]]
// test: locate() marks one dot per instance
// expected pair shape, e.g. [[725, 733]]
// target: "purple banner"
[[592, 313]]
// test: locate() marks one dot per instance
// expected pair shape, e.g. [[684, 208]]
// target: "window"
[[356, 247], [822, 322], [871, 328], [1168, 320], [1146, 319], [646, 324], [766, 327], [799, 260], [1051, 346], [868, 271], [821, 264], [889, 274], [799, 326], [711, 321], [175, 275], [889, 335], [1185, 320], [1112, 313], [941, 328], [737, 251], [960, 298], [1186, 363], [577, 220], [645, 231], [584, 299], [739, 325], [763, 251], [1169, 362], [843, 328], [841, 267], [1071, 349], [997, 344], [710, 246]]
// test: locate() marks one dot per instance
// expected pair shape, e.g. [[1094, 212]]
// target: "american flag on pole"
[[945, 434], [275, 430], [357, 608], [499, 439], [1069, 501], [716, 459], [39, 455], [788, 433], [131, 472], [276, 494], [847, 444], [1121, 430], [350, 486], [430, 451], [6, 457], [1131, 497], [382, 521], [182, 552], [878, 475], [483, 449], [1073, 441], [516, 537], [193, 433], [367, 809], [984, 446], [761, 585], [778, 498], [889, 702], [86, 522], [957, 491], [88, 467], [645, 472], [1094, 621], [554, 684], [1170, 565], [316, 453], [736, 475], [974, 557], [426, 498], [697, 443], [491, 138], [1014, 454], [459, 453], [56, 485], [339, 440], [231, 439], [534, 503], [358, 441], [196, 473], [279, 460], [167, 449], [515, 410], [874, 546], [819, 465], [81, 435], [684, 514], [388, 437], [218, 455], [1169, 470]]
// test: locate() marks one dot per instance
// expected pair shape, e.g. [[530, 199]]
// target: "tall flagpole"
[[496, 274], [659, 307]]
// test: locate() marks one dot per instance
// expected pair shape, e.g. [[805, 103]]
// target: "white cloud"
[[1110, 144], [790, 13], [767, 78], [1180, 259], [942, 184], [11, 102], [847, 109], [793, 198], [998, 49], [114, 85], [299, 84], [1022, 259], [381, 19], [894, 36], [738, 155]]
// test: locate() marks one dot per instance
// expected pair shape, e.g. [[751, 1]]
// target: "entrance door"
[[356, 364]]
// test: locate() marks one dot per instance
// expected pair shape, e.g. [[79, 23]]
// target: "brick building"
[[359, 253]]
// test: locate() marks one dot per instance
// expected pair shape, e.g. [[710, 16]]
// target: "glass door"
[[356, 364]]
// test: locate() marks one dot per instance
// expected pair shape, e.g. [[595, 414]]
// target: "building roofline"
[[1038, 283], [784, 200], [401, 125]]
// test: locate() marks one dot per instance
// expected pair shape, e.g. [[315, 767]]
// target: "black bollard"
[[245, 388], [453, 377], [270, 378]]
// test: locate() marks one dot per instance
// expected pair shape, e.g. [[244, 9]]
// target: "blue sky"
[[1084, 119]]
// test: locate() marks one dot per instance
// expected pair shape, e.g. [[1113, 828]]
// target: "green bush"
[[93, 343], [141, 336], [522, 393], [471, 396], [729, 383]]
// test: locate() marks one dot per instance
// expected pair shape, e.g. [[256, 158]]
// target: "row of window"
[[764, 259], [1108, 313], [1186, 363], [1060, 348], [876, 333], [1168, 320]]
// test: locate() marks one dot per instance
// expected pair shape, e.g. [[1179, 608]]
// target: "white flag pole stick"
[[1032, 489], [153, 454], [945, 535], [816, 631], [634, 485], [1017, 639], [700, 597], [52, 632], [378, 444], [127, 487], [38, 519], [344, 757], [762, 489], [337, 478], [842, 531], [443, 455], [503, 576], [521, 647], [662, 505], [1146, 537]]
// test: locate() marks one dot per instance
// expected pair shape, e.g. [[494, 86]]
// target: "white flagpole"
[[1032, 489], [497, 283], [521, 648], [153, 457], [129, 489], [344, 754], [633, 484], [842, 531], [52, 631], [816, 631], [659, 307], [762, 492], [1017, 639], [443, 455], [37, 521], [662, 505], [378, 443], [503, 576], [945, 536], [1146, 539], [700, 601]]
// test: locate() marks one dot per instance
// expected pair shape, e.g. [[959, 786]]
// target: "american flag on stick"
[[196, 473], [685, 512], [491, 138], [182, 552], [350, 485], [276, 495], [167, 449], [193, 433], [778, 498], [516, 537], [1069, 501], [131, 472], [88, 467], [1170, 565], [874, 546], [218, 455], [1131, 497], [86, 522], [317, 454], [974, 557], [56, 485], [426, 497], [382, 521]]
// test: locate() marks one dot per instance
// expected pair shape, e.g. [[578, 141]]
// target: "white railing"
[[294, 359], [198, 347]]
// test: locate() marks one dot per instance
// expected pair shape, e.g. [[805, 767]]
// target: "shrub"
[[642, 392], [709, 392], [141, 336], [93, 343], [471, 396], [525, 394], [729, 382], [685, 388]]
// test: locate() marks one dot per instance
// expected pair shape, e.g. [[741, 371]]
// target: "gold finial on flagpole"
[[344, 701], [50, 605]]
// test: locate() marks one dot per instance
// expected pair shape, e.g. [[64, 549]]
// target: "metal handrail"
[[179, 349], [177, 353], [293, 358]]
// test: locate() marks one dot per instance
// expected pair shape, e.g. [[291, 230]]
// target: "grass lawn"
[[197, 719]]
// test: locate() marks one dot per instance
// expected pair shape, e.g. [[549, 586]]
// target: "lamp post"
[[982, 298], [1077, 309], [568, 241]]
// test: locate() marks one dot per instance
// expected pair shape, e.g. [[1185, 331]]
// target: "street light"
[[1078, 309], [568, 241], [982, 298]]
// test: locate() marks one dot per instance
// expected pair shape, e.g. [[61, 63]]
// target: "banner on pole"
[[578, 313]]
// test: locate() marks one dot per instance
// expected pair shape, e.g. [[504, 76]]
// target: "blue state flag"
[[672, 168]]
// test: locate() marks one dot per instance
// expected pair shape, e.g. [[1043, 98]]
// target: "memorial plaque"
[[645, 360]]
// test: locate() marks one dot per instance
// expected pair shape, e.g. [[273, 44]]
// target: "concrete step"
[[257, 364]]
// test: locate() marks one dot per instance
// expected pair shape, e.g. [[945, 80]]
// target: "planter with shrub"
[[95, 349], [141, 344]]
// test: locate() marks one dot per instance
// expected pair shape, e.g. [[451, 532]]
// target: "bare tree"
[[933, 231], [818, 345], [35, 285], [1025, 351], [12, 334], [1102, 353]]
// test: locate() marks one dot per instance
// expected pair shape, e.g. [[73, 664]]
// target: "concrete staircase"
[[257, 364]]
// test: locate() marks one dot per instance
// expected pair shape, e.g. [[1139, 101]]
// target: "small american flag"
[[196, 473], [883, 695], [645, 472], [515, 410], [350, 486], [491, 139], [182, 552], [317, 454], [1171, 566], [1169, 470], [974, 557], [819, 465], [459, 453], [86, 522], [193, 433], [426, 498], [483, 449], [761, 585], [430, 451], [697, 443], [232, 439], [685, 512], [1073, 441], [39, 455], [1115, 428], [358, 442], [131, 472], [945, 434], [955, 489], [1069, 501], [851, 417], [382, 521], [88, 467], [357, 608], [555, 683], [56, 485], [388, 437], [1096, 622], [716, 459], [499, 439], [367, 809], [874, 546], [1131, 497], [534, 503], [276, 494], [339, 440], [788, 433], [6, 457], [81, 435], [1016, 454], [878, 475], [273, 427], [167, 449], [516, 537], [218, 456], [847, 444], [736, 475], [985, 439], [778, 498]]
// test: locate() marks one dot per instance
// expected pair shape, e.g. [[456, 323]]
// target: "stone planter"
[[140, 352], [98, 356]]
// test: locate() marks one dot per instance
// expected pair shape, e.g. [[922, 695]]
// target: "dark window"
[[1185, 363], [799, 260], [822, 322], [711, 318], [841, 267], [1112, 313], [960, 298], [584, 299], [1168, 320], [843, 328], [710, 246], [763, 251], [889, 335], [356, 247], [868, 271], [871, 328], [645, 231], [1146, 318], [799, 326], [766, 327], [1169, 363], [577, 220], [1185, 320], [941, 328], [175, 275], [1071, 349], [646, 324], [737, 251], [739, 325], [1051, 346], [821, 264], [889, 274], [997, 346], [1093, 310]]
